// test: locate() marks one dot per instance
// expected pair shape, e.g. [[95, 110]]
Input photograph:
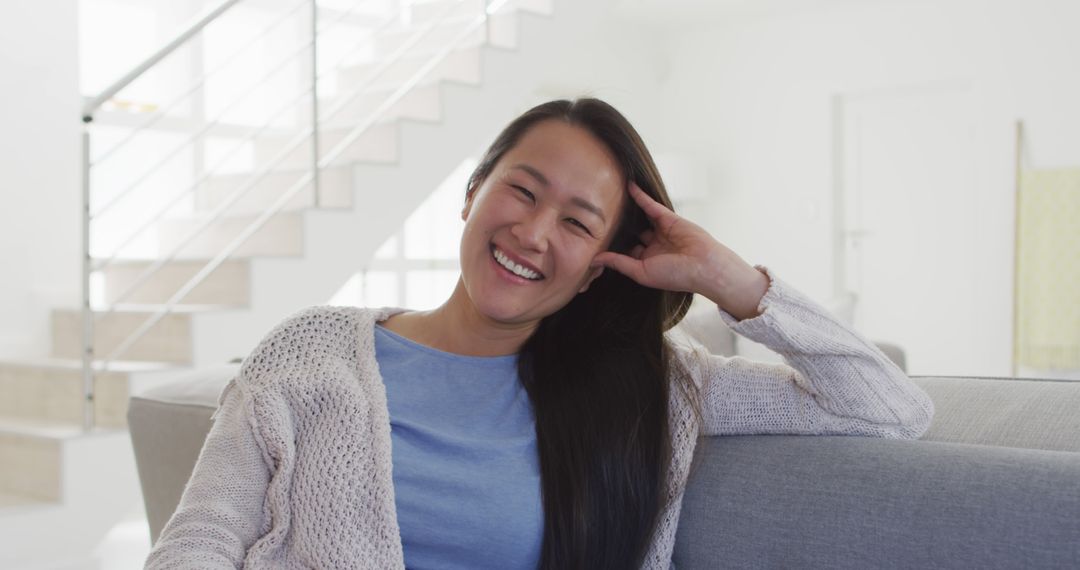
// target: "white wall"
[[39, 169], [752, 95], [593, 52]]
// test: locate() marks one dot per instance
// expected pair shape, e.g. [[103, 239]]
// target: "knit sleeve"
[[834, 380], [221, 511]]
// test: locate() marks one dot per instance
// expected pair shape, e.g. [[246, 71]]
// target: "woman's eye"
[[579, 225], [525, 193]]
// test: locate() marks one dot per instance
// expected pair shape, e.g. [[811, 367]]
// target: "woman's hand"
[[678, 255]]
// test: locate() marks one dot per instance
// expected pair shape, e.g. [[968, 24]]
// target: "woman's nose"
[[532, 231]]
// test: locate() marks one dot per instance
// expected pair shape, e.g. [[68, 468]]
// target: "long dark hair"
[[597, 373]]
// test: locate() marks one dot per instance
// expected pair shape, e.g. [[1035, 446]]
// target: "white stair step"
[[461, 65], [51, 390], [169, 340], [422, 103], [68, 488], [335, 191], [500, 31], [229, 284], [282, 235], [32, 455], [378, 144], [363, 14], [436, 38], [14, 501], [421, 11], [424, 11]]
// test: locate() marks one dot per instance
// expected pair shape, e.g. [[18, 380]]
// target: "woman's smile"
[[519, 269]]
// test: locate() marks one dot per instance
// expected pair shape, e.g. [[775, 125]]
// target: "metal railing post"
[[487, 22], [87, 312], [315, 103]]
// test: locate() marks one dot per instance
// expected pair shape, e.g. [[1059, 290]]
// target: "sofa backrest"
[[856, 503]]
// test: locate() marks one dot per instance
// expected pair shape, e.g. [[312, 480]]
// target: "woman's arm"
[[835, 381], [220, 514]]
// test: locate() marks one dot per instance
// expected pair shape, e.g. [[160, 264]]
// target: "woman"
[[539, 417]]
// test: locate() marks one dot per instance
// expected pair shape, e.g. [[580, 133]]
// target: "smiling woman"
[[539, 417]]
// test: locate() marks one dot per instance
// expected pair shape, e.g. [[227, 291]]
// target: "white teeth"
[[514, 267]]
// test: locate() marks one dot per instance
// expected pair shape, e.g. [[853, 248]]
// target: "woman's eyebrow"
[[577, 201], [586, 205], [534, 173]]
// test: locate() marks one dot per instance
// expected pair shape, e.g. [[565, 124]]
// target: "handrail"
[[207, 269], [311, 175], [494, 6], [161, 113], [103, 263], [274, 208], [169, 47], [259, 175], [148, 172], [259, 222], [214, 215], [143, 277], [152, 169]]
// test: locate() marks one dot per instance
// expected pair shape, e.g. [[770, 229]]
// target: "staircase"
[[62, 486]]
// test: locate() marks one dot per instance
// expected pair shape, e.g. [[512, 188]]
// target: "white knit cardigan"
[[296, 470]]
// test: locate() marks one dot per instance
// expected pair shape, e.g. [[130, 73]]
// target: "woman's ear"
[[469, 194], [592, 275]]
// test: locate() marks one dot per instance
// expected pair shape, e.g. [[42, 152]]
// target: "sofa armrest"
[[168, 426]]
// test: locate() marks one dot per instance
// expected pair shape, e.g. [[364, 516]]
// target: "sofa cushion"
[[1008, 412], [852, 502]]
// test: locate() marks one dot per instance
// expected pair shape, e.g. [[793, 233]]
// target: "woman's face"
[[550, 204]]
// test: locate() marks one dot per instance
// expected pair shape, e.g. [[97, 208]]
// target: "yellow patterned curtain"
[[1048, 270]]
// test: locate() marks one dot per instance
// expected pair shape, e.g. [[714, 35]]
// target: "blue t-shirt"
[[466, 469]]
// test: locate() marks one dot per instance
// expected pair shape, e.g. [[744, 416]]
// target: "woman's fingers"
[[653, 209], [628, 266], [661, 217]]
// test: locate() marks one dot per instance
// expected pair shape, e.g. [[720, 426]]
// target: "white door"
[[908, 189]]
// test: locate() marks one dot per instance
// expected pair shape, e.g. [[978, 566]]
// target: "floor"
[[124, 548]]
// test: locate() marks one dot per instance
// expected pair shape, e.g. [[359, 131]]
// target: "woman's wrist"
[[738, 291]]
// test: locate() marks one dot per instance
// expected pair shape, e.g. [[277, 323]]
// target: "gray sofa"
[[995, 483]]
